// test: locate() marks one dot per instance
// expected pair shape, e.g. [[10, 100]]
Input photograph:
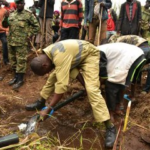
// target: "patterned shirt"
[[71, 14], [130, 9], [21, 25]]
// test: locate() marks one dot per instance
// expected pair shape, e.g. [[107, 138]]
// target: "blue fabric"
[[89, 10], [126, 97]]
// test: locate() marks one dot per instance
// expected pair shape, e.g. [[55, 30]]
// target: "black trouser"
[[113, 94], [69, 33], [83, 33], [3, 39]]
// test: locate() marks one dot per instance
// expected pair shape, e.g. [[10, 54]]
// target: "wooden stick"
[[44, 20], [127, 116], [116, 141], [34, 49], [100, 25]]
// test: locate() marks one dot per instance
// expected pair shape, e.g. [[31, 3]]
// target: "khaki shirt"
[[67, 55]]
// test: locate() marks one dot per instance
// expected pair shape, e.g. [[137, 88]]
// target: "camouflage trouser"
[[146, 35], [18, 58]]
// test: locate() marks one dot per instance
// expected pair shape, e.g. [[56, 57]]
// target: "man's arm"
[[103, 65], [34, 25], [5, 22]]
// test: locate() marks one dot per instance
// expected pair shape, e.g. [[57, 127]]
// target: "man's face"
[[20, 6], [1, 3], [147, 5], [56, 14], [36, 4], [5, 3]]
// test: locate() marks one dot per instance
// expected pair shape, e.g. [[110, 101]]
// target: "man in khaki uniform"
[[64, 57]]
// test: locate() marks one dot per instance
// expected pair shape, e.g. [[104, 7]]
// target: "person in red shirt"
[[3, 37], [9, 6], [71, 18], [111, 23]]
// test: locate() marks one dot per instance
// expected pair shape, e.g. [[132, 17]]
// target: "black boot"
[[14, 80], [37, 105], [19, 82], [110, 137]]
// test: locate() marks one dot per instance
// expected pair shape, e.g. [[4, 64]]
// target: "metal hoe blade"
[[31, 126]]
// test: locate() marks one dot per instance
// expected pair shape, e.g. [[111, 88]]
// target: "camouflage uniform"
[[21, 26], [130, 39], [145, 23]]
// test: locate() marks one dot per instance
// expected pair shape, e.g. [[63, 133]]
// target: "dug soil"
[[73, 125]]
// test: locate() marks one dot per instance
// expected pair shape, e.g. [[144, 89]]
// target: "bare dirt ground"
[[71, 127]]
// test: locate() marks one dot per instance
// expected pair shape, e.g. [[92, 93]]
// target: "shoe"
[[1, 78], [110, 137], [18, 85], [19, 82], [143, 93], [37, 105], [13, 81], [6, 63]]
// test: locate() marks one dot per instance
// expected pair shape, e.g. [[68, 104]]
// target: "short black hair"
[[36, 65]]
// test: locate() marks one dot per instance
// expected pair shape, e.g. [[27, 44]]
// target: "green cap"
[[16, 1]]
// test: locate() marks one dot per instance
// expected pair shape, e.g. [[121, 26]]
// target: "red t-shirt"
[[12, 6], [2, 13], [110, 23]]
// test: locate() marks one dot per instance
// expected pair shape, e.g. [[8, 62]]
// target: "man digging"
[[62, 59]]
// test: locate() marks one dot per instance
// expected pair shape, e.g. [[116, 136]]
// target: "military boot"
[[14, 80], [110, 137], [37, 105], [19, 82]]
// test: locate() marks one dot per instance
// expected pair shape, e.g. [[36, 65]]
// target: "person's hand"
[[11, 10], [7, 14], [118, 33], [44, 114], [85, 27], [80, 26], [5, 3], [29, 38], [59, 31]]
